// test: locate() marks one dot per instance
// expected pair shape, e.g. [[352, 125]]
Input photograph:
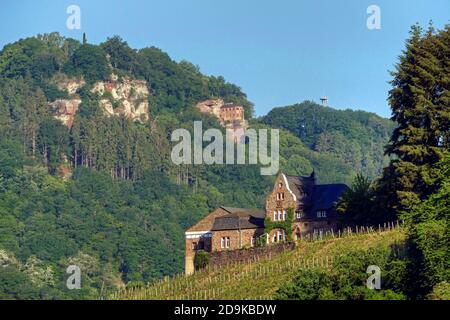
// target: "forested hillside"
[[357, 138], [103, 193]]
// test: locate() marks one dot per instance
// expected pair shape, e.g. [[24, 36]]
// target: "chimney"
[[313, 177]]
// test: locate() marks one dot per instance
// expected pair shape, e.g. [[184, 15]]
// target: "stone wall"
[[197, 234], [232, 113], [273, 204], [220, 258], [307, 228], [238, 238]]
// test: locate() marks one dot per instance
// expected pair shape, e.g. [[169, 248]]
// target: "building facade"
[[235, 228]]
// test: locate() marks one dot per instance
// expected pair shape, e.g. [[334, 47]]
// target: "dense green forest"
[[122, 212], [125, 206], [356, 138]]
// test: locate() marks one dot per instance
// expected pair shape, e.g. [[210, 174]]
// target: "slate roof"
[[318, 196], [324, 196], [239, 218], [298, 183]]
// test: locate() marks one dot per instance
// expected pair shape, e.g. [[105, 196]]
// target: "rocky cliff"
[[126, 96]]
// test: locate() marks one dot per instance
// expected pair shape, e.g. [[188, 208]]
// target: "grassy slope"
[[260, 279]]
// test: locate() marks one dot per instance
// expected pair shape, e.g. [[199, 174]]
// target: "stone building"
[[234, 228], [223, 229], [224, 112], [230, 115], [231, 112]]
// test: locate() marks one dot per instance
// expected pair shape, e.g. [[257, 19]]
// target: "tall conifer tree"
[[420, 102]]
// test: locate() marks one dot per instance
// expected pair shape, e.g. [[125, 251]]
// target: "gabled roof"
[[297, 183], [207, 222], [239, 218], [325, 196], [317, 196], [244, 211]]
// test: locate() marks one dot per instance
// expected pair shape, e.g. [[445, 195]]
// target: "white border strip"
[[287, 186], [198, 234], [195, 232]]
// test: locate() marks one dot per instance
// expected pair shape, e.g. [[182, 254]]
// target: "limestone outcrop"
[[126, 96]]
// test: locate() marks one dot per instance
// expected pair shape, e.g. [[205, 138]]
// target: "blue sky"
[[279, 52]]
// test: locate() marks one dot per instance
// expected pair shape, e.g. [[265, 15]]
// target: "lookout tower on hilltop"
[[324, 100]]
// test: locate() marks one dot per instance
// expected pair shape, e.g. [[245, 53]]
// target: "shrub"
[[347, 279], [201, 259], [308, 285], [441, 291]]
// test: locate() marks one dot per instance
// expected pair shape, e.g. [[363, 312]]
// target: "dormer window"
[[321, 214], [299, 214]]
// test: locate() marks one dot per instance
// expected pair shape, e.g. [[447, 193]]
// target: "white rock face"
[[65, 110], [211, 106], [71, 85], [128, 97]]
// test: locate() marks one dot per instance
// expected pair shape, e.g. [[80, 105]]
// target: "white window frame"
[[284, 215], [280, 235], [227, 242], [298, 215], [275, 215], [321, 214], [222, 242], [280, 215]]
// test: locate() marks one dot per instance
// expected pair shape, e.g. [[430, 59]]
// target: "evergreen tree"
[[420, 101], [357, 202]]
